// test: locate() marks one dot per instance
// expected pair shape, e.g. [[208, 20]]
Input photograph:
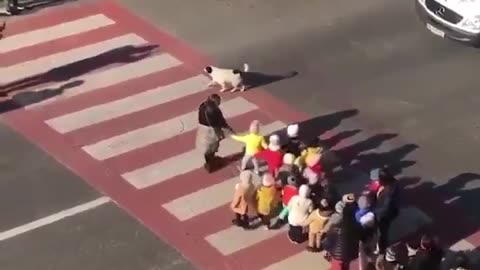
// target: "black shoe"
[[311, 249], [208, 167]]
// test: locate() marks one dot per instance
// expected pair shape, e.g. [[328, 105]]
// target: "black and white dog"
[[227, 78]]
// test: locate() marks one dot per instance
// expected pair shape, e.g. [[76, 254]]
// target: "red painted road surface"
[[105, 175]]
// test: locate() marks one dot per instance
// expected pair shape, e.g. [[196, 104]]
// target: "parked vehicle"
[[453, 19]]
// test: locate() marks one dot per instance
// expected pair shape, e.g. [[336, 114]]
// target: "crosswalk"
[[128, 129]]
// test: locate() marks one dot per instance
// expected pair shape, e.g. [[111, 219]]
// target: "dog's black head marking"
[[236, 71], [208, 69]]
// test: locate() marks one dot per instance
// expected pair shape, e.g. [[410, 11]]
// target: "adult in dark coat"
[[212, 127], [386, 207], [429, 256], [342, 240]]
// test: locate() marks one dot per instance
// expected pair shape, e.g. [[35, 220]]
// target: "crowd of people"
[[295, 192]]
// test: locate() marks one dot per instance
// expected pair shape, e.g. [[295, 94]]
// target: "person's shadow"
[[23, 99], [125, 54]]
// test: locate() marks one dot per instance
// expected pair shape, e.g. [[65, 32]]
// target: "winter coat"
[[274, 160], [426, 259], [288, 192], [386, 204], [267, 199], [316, 220], [287, 172], [254, 143], [299, 207], [293, 146], [342, 240], [243, 195]]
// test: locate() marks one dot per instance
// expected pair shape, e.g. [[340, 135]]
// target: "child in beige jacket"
[[316, 222]]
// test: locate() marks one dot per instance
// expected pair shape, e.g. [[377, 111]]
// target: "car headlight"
[[471, 24]]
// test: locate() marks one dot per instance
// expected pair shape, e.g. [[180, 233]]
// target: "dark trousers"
[[384, 228]]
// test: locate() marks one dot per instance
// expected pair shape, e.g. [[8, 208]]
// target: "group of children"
[[295, 191], [294, 181]]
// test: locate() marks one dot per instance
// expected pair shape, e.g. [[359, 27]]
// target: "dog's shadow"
[[257, 79]]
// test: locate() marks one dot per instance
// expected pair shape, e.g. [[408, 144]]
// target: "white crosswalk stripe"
[[44, 35], [128, 105], [114, 76], [161, 171], [158, 132], [44, 64]]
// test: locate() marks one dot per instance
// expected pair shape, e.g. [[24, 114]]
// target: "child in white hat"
[[273, 155], [267, 199]]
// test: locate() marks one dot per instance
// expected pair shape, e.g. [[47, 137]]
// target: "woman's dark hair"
[[386, 177], [215, 98]]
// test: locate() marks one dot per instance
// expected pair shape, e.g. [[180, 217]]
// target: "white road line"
[[52, 218], [158, 132], [302, 261], [234, 239], [44, 64], [117, 108], [166, 169], [113, 76], [58, 31], [202, 201], [462, 245]]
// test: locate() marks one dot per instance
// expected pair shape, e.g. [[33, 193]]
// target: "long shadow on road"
[[126, 54]]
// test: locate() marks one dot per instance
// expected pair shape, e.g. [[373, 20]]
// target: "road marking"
[[235, 238], [52, 218], [47, 34], [113, 76], [177, 165], [304, 260], [158, 132], [107, 111], [202, 201], [44, 64]]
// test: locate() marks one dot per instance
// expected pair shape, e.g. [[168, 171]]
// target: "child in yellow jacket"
[[268, 197], [313, 148], [254, 142]]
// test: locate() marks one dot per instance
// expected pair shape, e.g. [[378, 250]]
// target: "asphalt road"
[[369, 55], [33, 186]]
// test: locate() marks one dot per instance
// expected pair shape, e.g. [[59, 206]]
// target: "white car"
[[454, 19]]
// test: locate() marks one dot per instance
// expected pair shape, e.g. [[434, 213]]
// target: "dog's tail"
[[246, 67]]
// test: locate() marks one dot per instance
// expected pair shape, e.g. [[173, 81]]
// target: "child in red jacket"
[[288, 191], [272, 155]]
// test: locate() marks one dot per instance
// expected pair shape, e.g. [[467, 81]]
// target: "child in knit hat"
[[242, 199], [254, 142], [273, 155], [289, 190], [267, 199], [316, 222], [288, 169], [293, 145]]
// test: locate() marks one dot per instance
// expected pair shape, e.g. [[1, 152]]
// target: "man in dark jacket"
[[211, 130], [386, 207]]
